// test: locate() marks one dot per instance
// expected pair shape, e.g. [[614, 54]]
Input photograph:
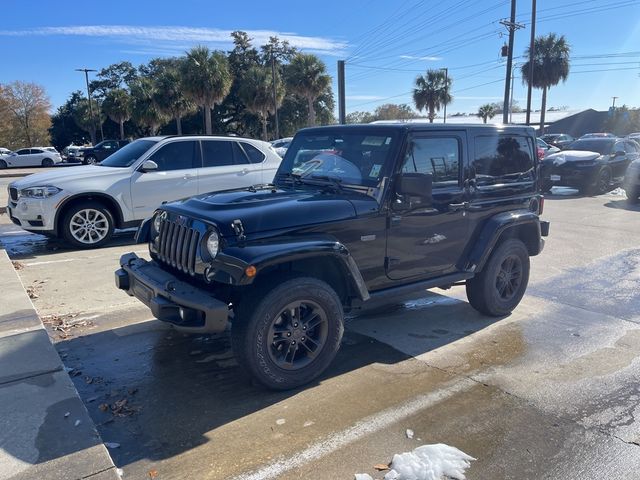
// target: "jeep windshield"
[[344, 157], [127, 155]]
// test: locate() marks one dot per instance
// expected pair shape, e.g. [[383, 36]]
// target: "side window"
[[619, 147], [503, 159], [217, 153], [438, 156], [631, 147], [176, 156], [36, 150], [255, 155], [24, 151]]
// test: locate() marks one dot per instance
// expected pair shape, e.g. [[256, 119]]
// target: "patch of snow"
[[120, 472], [78, 422], [363, 476], [429, 462], [281, 421], [409, 433], [308, 423], [618, 192]]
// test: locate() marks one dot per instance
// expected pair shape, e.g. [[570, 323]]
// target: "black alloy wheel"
[[286, 332], [3, 164], [498, 288], [603, 183], [47, 162]]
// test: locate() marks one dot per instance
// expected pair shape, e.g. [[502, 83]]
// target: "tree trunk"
[[263, 120], [312, 112], [432, 113], [543, 110], [485, 119], [92, 134], [207, 119], [121, 129], [179, 125]]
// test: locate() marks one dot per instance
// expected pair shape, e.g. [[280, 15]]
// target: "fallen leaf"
[[153, 473], [104, 407], [17, 265], [382, 466]]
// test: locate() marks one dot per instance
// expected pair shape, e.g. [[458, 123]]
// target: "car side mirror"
[[415, 184], [149, 166]]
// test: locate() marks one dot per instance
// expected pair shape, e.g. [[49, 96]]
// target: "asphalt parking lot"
[[551, 391]]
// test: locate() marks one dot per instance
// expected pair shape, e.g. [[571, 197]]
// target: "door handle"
[[458, 206], [244, 171]]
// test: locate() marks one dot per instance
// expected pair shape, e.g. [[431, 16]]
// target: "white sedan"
[[30, 157]]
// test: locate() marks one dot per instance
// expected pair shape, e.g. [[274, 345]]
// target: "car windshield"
[[350, 158], [603, 147], [128, 154]]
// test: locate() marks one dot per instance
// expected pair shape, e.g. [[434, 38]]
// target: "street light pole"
[[446, 87], [86, 77], [275, 95]]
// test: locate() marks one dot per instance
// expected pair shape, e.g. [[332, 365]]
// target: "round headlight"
[[156, 222], [213, 243]]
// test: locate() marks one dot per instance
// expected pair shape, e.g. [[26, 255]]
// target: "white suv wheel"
[[89, 226]]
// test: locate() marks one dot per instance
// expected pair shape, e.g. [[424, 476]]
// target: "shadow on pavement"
[[157, 392], [623, 204]]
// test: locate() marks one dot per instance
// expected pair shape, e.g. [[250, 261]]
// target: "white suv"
[[84, 204]]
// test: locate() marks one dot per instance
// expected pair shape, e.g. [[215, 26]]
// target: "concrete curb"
[[47, 431]]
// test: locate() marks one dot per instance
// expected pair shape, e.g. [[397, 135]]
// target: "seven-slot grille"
[[177, 245], [13, 194]]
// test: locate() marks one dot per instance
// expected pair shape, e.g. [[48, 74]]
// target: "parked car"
[[84, 204], [30, 157], [546, 148], [597, 135], [593, 165], [357, 213], [559, 140], [631, 183], [93, 155], [281, 145], [72, 153], [5, 151]]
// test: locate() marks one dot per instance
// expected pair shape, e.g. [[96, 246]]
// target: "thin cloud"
[[428, 59], [135, 34]]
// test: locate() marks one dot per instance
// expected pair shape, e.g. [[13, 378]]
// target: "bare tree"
[[28, 108]]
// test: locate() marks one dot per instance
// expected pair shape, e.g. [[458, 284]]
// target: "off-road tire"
[[47, 162], [106, 222], [257, 315], [483, 291]]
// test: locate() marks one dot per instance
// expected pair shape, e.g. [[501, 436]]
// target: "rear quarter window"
[[502, 159]]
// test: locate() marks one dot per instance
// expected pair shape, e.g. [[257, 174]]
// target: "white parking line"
[[63, 260], [369, 425]]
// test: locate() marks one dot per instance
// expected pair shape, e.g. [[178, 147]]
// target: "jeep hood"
[[63, 175], [269, 208]]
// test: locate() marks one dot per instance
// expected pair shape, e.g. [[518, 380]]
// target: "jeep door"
[[175, 178], [428, 237], [225, 165]]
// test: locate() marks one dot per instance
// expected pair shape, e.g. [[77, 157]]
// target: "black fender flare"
[[264, 254], [493, 230]]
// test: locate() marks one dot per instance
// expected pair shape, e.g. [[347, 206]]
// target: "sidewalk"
[[45, 430]]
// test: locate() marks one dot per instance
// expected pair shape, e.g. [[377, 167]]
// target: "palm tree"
[[169, 94], [550, 66], [432, 92], [306, 76], [117, 105], [486, 112], [256, 92], [83, 118], [145, 112], [206, 79]]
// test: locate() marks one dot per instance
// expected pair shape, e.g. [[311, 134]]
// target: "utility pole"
[[275, 94], [341, 95], [511, 99], [86, 77], [446, 87], [512, 26], [614, 102], [532, 51]]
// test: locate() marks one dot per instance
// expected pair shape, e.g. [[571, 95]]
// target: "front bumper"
[[33, 214], [570, 175], [170, 299]]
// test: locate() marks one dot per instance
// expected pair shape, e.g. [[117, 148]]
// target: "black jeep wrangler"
[[355, 214]]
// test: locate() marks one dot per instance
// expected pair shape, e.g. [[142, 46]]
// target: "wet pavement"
[[550, 391]]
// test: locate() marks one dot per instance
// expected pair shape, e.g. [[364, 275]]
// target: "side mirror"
[[415, 184], [148, 166]]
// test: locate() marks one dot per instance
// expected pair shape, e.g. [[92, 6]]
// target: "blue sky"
[[386, 43]]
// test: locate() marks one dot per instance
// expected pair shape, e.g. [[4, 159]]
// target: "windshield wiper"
[[336, 182]]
